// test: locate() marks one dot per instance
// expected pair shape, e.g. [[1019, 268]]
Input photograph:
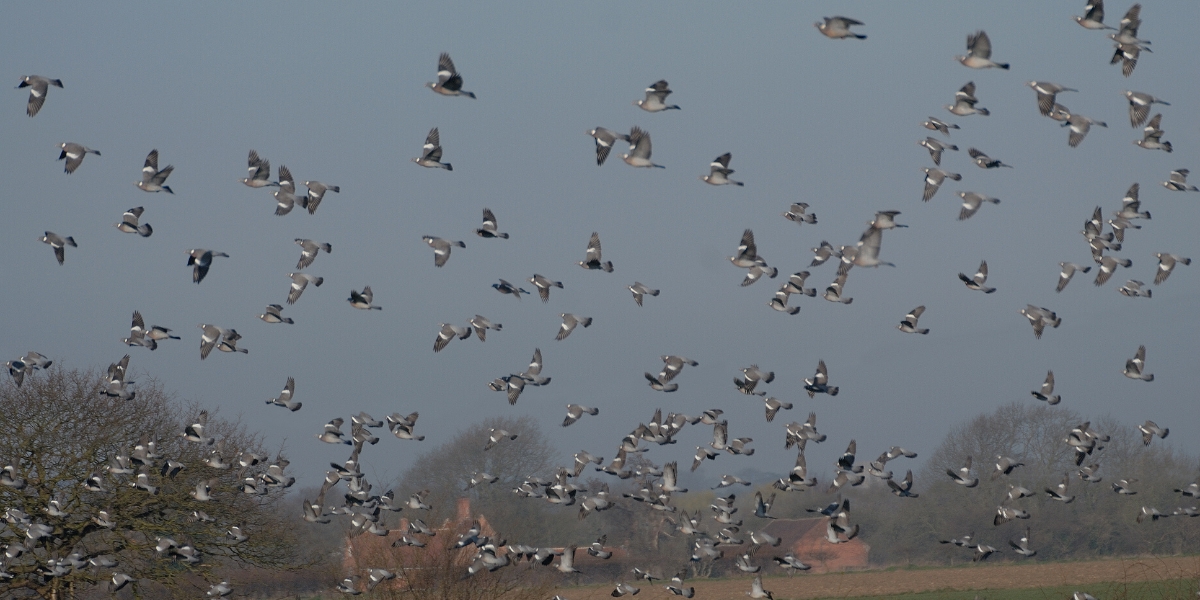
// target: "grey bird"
[[285, 197], [1133, 289], [576, 412], [1021, 546], [38, 87], [885, 219], [1005, 466], [1166, 264], [933, 181], [129, 223], [488, 229], [592, 259], [984, 161], [543, 286], [1152, 136], [1059, 492], [73, 153], [935, 124], [780, 303], [569, 322], [495, 436], [1046, 394], [1122, 486], [1139, 106], [309, 250], [59, 244], [505, 287], [271, 314], [1150, 429], [795, 285], [971, 201], [639, 150], [1039, 318], [299, 283], [909, 324], [1080, 126], [819, 382], [449, 81], [1135, 368], [1178, 182], [823, 253], [833, 293], [719, 172], [481, 324], [153, 178], [962, 476], [1047, 93], [796, 214], [979, 52], [1068, 271], [1093, 16], [316, 193], [965, 101], [431, 152], [259, 172], [285, 397], [656, 98], [773, 406], [746, 255], [979, 280], [903, 488], [449, 332], [200, 260], [838, 28], [441, 248], [605, 140], [363, 300], [936, 147], [1108, 265]]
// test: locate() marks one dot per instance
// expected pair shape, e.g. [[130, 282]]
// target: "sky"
[[335, 92]]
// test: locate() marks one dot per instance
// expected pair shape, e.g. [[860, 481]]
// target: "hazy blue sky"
[[334, 91]]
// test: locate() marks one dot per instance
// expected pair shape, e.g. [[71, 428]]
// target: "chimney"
[[464, 510]]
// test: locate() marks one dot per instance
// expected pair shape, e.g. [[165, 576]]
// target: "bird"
[[363, 300], [779, 303], [622, 589], [909, 324], [59, 244], [979, 280], [74, 153], [200, 259], [576, 412], [38, 87], [823, 253], [971, 201], [935, 124], [505, 287], [719, 172], [639, 149], [543, 286], [1139, 106], [481, 324], [488, 229], [1178, 182], [1108, 265], [1005, 466], [979, 52], [592, 258], [933, 181], [965, 101], [569, 322], [449, 81], [1046, 394], [833, 293], [285, 397], [903, 488], [300, 281], [936, 147], [796, 214], [309, 250], [1133, 289], [153, 178], [984, 161], [838, 28], [1080, 125], [885, 219], [1093, 17], [449, 332], [1068, 271], [1152, 136], [819, 382], [962, 476], [656, 99], [316, 193], [1059, 492], [795, 285], [431, 152], [496, 435], [983, 551], [118, 580], [129, 223], [1166, 264], [285, 197], [757, 591], [441, 249], [1150, 429], [1150, 513], [219, 590], [1047, 93], [605, 140], [259, 172], [1039, 318]]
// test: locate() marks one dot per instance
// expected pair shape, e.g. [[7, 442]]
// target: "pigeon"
[[1152, 136], [496, 435], [622, 589], [285, 397], [909, 324], [1108, 265], [719, 172], [838, 28], [488, 229], [431, 152], [935, 124], [757, 591], [1150, 513], [200, 259], [885, 219], [964, 103], [316, 193], [300, 281], [1068, 271], [1080, 126], [819, 382], [795, 285], [977, 282], [823, 253], [983, 551], [38, 86], [59, 244], [1039, 318], [449, 81], [505, 287], [259, 174], [936, 147], [639, 149], [1139, 106], [74, 153], [979, 52], [1093, 18], [285, 197], [779, 303], [449, 332], [984, 161], [592, 259], [481, 324], [1166, 264], [1046, 394], [152, 178], [441, 249], [1005, 466], [363, 300], [934, 179], [971, 202], [1178, 182], [118, 580], [543, 286], [796, 214], [576, 412], [129, 223], [656, 99], [212, 336], [605, 140], [569, 321], [962, 476], [640, 290], [1150, 429], [1121, 486], [833, 293], [1133, 289], [1059, 492], [790, 563], [309, 250], [1047, 93], [903, 488]]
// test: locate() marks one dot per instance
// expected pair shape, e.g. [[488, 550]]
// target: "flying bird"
[[1166, 264], [1152, 136], [569, 322], [1150, 429], [363, 300], [38, 87], [1046, 394], [1068, 271], [605, 140], [592, 259], [316, 193], [935, 148], [934, 178], [543, 286], [979, 280], [964, 103], [505, 287], [1178, 182], [984, 161], [838, 28], [935, 124], [441, 249], [719, 172], [796, 214], [656, 100], [431, 152], [979, 52], [909, 324], [1047, 94], [449, 332], [152, 178], [449, 81], [59, 244], [129, 223], [1139, 106], [1136, 366], [1039, 318], [299, 283], [971, 202], [73, 153], [488, 229]]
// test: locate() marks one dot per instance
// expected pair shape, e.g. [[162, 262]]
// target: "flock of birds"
[[363, 508]]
